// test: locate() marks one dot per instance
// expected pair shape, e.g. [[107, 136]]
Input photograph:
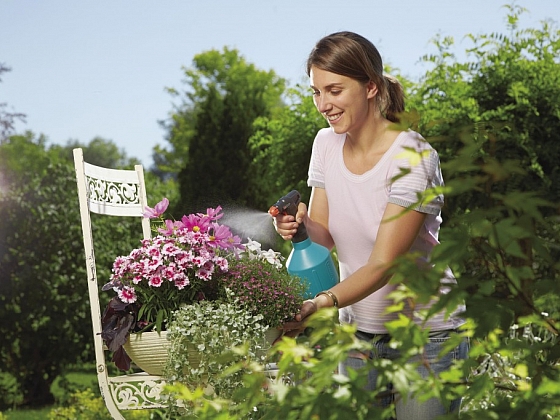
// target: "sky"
[[87, 68]]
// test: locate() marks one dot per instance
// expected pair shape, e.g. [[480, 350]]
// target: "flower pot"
[[148, 351], [272, 334]]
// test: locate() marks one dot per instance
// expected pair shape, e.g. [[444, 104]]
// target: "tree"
[[7, 118], [22, 157], [210, 130], [100, 152], [44, 311], [506, 100]]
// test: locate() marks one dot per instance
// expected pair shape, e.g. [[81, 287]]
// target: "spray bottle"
[[309, 261]]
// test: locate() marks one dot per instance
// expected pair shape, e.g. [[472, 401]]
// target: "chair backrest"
[[112, 192]]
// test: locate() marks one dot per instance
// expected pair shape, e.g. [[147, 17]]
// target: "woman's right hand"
[[287, 225]]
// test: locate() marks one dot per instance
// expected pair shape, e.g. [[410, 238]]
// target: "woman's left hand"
[[297, 326]]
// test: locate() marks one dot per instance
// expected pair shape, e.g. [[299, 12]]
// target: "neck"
[[371, 134]]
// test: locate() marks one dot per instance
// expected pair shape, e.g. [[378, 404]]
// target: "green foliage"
[[205, 340], [99, 152], [209, 131], [501, 106], [21, 158], [68, 383], [307, 385], [41, 297], [11, 394], [495, 121], [281, 149], [84, 406]]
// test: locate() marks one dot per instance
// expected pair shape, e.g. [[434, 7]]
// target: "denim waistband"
[[385, 336]]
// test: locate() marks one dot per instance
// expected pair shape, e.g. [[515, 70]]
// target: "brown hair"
[[352, 55]]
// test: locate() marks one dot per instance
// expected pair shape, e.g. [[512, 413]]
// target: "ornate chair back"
[[113, 192]]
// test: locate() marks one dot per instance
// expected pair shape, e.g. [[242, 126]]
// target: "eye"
[[335, 92], [315, 92]]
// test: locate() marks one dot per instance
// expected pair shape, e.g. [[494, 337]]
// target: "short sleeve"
[[316, 173], [414, 175]]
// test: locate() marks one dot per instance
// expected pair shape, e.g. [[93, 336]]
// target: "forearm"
[[365, 281]]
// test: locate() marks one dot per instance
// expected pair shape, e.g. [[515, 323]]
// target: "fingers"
[[297, 326], [285, 225], [293, 333], [301, 213]]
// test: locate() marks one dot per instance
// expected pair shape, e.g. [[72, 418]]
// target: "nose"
[[322, 103]]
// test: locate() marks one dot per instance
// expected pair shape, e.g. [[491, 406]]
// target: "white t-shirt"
[[356, 206]]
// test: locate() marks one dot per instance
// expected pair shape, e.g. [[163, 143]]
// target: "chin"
[[338, 130]]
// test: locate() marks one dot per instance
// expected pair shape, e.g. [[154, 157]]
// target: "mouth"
[[333, 118]]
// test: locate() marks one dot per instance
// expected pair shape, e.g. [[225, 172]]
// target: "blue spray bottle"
[[309, 261]]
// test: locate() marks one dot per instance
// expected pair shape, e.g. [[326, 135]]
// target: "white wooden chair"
[[113, 192]]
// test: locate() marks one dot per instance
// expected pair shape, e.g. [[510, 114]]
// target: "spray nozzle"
[[289, 205], [286, 205]]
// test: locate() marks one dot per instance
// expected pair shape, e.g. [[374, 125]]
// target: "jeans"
[[412, 409]]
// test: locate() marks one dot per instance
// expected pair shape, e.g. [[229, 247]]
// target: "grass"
[[81, 379], [28, 414], [43, 414]]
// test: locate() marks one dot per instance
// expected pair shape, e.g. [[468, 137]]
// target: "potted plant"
[[194, 265], [174, 268]]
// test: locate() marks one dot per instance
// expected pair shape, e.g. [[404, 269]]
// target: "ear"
[[371, 89]]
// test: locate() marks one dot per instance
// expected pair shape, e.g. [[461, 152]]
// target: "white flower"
[[253, 248], [272, 257]]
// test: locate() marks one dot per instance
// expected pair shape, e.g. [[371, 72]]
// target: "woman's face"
[[343, 101]]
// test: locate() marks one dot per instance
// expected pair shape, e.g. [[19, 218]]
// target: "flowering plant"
[[264, 289], [192, 260], [167, 271]]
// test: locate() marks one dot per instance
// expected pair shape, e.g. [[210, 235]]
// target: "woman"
[[356, 178]]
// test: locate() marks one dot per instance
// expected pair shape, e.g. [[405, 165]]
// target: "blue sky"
[[87, 68]]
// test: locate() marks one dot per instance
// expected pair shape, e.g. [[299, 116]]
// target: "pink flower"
[[180, 280], [196, 222], [222, 263], [213, 214], [205, 272], [155, 281], [127, 294], [220, 235], [233, 243], [170, 227], [157, 211], [169, 249]]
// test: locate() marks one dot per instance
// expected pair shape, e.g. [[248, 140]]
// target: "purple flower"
[[157, 211]]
